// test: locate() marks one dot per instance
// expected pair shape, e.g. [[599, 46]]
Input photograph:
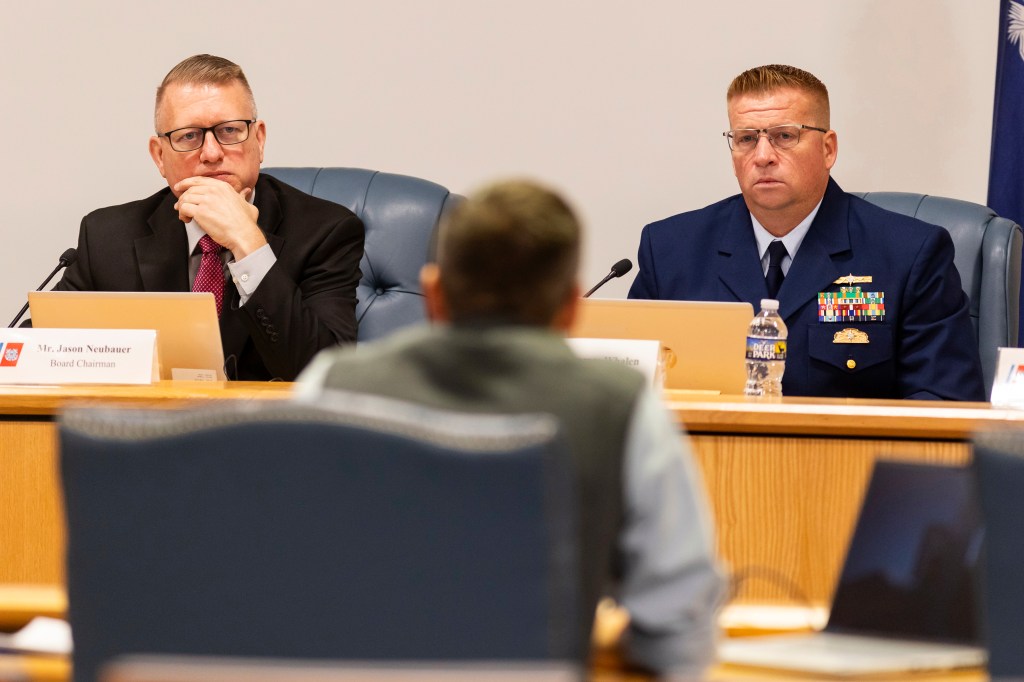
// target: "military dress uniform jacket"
[[919, 344]]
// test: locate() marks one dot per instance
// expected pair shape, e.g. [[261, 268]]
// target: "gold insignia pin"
[[851, 279], [850, 335]]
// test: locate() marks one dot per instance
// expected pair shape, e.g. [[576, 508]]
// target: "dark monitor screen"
[[911, 567]]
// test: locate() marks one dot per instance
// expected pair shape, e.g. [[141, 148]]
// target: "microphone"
[[66, 259], [618, 270]]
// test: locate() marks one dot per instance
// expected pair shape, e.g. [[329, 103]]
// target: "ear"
[[565, 318], [261, 136], [433, 297], [830, 144], [156, 150]]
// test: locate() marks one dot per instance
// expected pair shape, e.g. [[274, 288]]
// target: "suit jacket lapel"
[[233, 330], [739, 265], [163, 254], [270, 214], [813, 269]]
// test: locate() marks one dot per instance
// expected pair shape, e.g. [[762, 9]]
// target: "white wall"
[[621, 104]]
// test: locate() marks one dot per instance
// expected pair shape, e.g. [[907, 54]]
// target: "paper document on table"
[[41, 636], [763, 618]]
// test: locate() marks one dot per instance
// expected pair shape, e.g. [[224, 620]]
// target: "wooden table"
[[785, 479], [31, 519]]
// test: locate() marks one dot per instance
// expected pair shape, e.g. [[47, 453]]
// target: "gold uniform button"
[[851, 364]]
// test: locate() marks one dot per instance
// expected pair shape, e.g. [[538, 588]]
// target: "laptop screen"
[[186, 324], [911, 567], [703, 342]]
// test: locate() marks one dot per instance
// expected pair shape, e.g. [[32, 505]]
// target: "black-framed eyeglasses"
[[780, 137], [191, 139]]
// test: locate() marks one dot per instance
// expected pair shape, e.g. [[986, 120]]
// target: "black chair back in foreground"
[[380, 530]]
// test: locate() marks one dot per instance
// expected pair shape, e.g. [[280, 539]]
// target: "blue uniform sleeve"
[[938, 349], [644, 286]]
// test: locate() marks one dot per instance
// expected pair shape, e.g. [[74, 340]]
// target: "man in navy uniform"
[[872, 300]]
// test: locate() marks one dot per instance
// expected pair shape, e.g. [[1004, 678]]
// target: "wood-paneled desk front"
[[785, 479], [31, 519]]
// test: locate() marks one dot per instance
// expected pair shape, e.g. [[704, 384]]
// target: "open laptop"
[[906, 599], [703, 342], [187, 329]]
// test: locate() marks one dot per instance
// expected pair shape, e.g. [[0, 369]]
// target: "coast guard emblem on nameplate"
[[11, 353]]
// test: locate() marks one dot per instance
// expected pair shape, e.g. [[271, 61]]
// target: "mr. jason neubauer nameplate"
[[78, 356]]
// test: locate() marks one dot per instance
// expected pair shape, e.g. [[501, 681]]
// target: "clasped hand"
[[223, 213]]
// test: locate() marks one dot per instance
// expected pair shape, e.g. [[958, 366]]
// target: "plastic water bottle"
[[766, 351]]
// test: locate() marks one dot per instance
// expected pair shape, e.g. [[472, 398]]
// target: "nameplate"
[[78, 356], [643, 356], [1008, 383]]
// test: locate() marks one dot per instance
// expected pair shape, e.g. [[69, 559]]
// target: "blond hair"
[[762, 80], [203, 69]]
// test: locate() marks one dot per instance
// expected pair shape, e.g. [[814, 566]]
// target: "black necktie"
[[773, 278]]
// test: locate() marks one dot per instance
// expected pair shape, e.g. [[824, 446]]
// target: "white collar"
[[792, 240]]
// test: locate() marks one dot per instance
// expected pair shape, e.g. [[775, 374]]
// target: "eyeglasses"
[[191, 139], [780, 137]]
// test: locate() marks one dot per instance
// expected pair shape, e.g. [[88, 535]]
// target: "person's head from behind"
[[507, 254], [781, 142], [206, 124]]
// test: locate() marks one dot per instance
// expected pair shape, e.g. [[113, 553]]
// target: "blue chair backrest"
[[988, 258], [400, 214]]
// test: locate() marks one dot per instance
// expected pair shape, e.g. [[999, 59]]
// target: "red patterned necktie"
[[210, 276]]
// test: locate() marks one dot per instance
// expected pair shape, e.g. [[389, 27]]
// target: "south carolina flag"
[[1006, 172]]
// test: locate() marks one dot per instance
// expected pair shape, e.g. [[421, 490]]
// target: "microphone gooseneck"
[[618, 270], [67, 258]]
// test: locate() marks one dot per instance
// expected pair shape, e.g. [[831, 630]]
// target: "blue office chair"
[[400, 214], [378, 530], [988, 257]]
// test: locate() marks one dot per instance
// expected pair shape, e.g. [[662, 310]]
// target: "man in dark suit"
[[872, 300], [292, 260]]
